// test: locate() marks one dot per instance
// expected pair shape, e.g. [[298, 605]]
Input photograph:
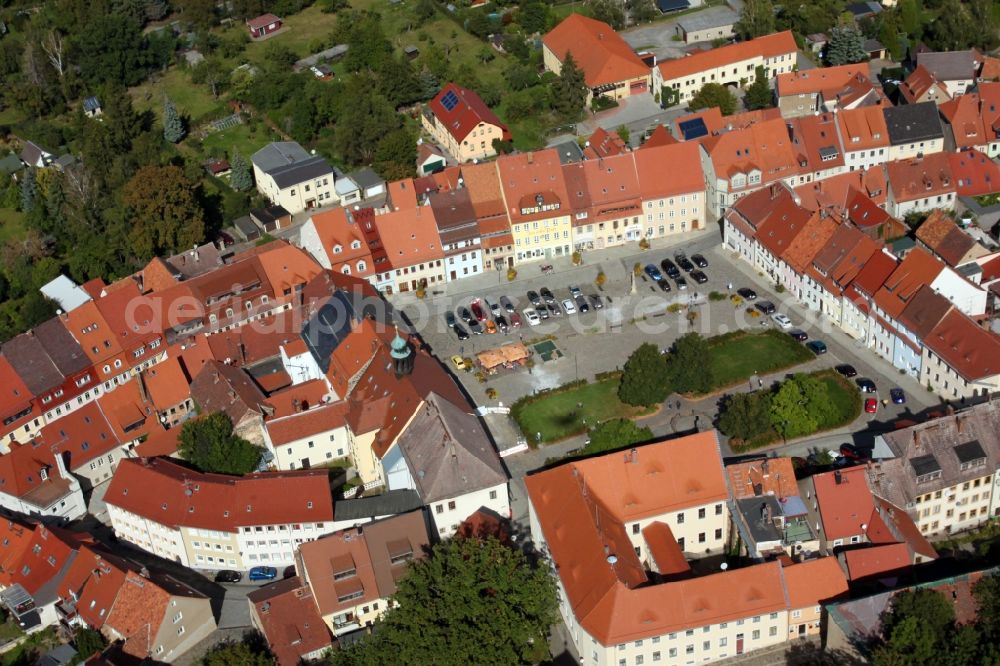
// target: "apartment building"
[[538, 204], [671, 205], [920, 184], [734, 64], [960, 358], [459, 120], [914, 130], [412, 245], [459, 231], [34, 482], [804, 92], [292, 178], [864, 137], [352, 574], [483, 184], [214, 521], [605, 200], [615, 524], [944, 470], [285, 614], [972, 119]]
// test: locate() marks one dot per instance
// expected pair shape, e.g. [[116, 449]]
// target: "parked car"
[[460, 331], [491, 328], [532, 316], [515, 320], [534, 298], [848, 450], [699, 261], [798, 334], [597, 302], [670, 268], [477, 310], [494, 308], [554, 309], [682, 284], [228, 576], [871, 405], [449, 318], [227, 240], [263, 573], [897, 395], [747, 294], [653, 272], [459, 362], [846, 370], [683, 262], [568, 306], [663, 284], [464, 314], [507, 304], [581, 303], [547, 295], [767, 307], [866, 385], [781, 320], [543, 311], [501, 322], [699, 276], [816, 347], [574, 290], [475, 327]]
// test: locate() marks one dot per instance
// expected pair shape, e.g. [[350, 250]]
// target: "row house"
[[286, 616], [736, 163], [459, 232], [817, 147], [943, 472], [482, 181], [538, 204], [34, 482], [921, 86], [974, 119], [942, 236], [975, 174], [310, 435], [352, 573], [805, 92], [855, 319], [409, 235], [834, 268], [914, 130], [960, 358], [214, 521], [957, 71], [334, 238], [605, 200], [920, 184], [864, 137], [731, 65], [671, 205], [609, 548], [743, 221]]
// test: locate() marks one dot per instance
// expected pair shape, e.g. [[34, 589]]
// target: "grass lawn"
[[238, 138], [556, 415], [11, 116], [194, 101], [737, 356], [11, 224], [845, 400]]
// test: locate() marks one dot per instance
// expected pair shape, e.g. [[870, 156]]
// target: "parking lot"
[[636, 311]]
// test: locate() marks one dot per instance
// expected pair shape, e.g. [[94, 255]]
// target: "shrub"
[[674, 308], [511, 274], [716, 296], [643, 244], [577, 258]]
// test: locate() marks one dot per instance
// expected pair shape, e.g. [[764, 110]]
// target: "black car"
[[846, 370], [596, 300], [554, 309], [227, 576], [670, 268], [866, 385], [465, 314], [684, 263], [534, 298], [460, 331], [501, 323], [801, 336], [507, 304], [699, 277], [449, 318], [581, 303], [543, 311], [767, 307], [699, 261], [547, 295], [747, 294], [663, 284], [681, 283], [475, 327]]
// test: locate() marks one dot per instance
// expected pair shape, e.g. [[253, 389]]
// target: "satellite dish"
[[612, 559], [724, 566]]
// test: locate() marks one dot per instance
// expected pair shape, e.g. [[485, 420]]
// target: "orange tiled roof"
[[410, 236], [292, 427], [764, 146], [917, 269], [971, 350], [651, 163], [603, 143], [824, 80], [166, 384], [137, 614], [886, 559], [918, 83], [975, 174], [768, 46], [966, 120], [598, 50], [845, 508], [863, 128], [814, 582], [770, 476], [805, 246], [289, 620], [337, 235], [920, 178], [527, 178], [660, 136]]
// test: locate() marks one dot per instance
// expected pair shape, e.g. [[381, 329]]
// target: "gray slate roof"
[[910, 123], [448, 452], [278, 154], [713, 17], [289, 164], [301, 172], [366, 178], [950, 65], [387, 504]]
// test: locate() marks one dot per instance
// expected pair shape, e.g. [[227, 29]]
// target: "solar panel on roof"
[[672, 5], [692, 129], [449, 101]]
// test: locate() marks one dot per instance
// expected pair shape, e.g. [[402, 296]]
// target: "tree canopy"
[[758, 93], [797, 407], [687, 368], [470, 601], [166, 216], [569, 91], [846, 46], [746, 415], [210, 445], [644, 380], [756, 20], [615, 434], [714, 94]]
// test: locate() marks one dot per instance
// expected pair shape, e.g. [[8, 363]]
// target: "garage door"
[[638, 87]]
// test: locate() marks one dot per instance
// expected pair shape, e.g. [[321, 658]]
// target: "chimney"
[[837, 478], [916, 440], [763, 468], [144, 572], [531, 158], [296, 405], [634, 456], [960, 424]]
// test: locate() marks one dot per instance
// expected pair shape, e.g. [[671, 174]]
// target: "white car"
[[781, 320], [569, 307], [532, 317]]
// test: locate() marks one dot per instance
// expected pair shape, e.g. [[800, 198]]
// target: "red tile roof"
[[971, 350], [167, 384], [466, 115], [884, 560], [878, 267], [602, 55], [651, 163], [262, 21], [95, 578], [603, 143], [825, 80], [312, 422], [20, 474], [975, 174], [660, 136], [845, 508], [764, 147], [138, 613], [410, 236], [716, 123], [941, 235], [666, 552], [814, 582], [15, 398], [863, 128], [288, 618], [963, 114], [920, 178], [917, 269], [781, 229], [155, 488], [48, 551], [918, 84], [768, 46], [336, 228], [768, 476], [816, 142], [526, 177], [81, 435]]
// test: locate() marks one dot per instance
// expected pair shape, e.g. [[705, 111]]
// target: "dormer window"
[[355, 244], [346, 270], [362, 266], [337, 249], [970, 455]]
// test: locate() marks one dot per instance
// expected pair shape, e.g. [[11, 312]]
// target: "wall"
[[672, 215], [316, 449], [944, 381], [478, 144], [465, 259], [275, 545], [590, 234], [542, 239], [149, 535], [793, 106], [98, 470], [177, 635], [690, 84], [449, 513], [967, 297], [959, 507], [906, 151], [222, 547], [309, 241]]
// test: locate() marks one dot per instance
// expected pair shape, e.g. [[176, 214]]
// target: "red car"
[[871, 405], [515, 320], [477, 310]]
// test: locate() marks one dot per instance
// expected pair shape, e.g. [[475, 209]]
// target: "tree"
[[238, 654], [746, 415], [687, 364], [916, 629], [644, 380], [443, 600], [240, 175], [616, 434], [426, 10], [798, 405], [210, 445], [569, 91], [758, 94], [29, 190], [714, 94], [88, 642], [173, 126], [608, 11], [757, 19], [396, 155], [642, 11], [166, 216], [623, 133], [846, 46], [911, 18], [364, 120], [888, 34], [987, 594], [533, 16]]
